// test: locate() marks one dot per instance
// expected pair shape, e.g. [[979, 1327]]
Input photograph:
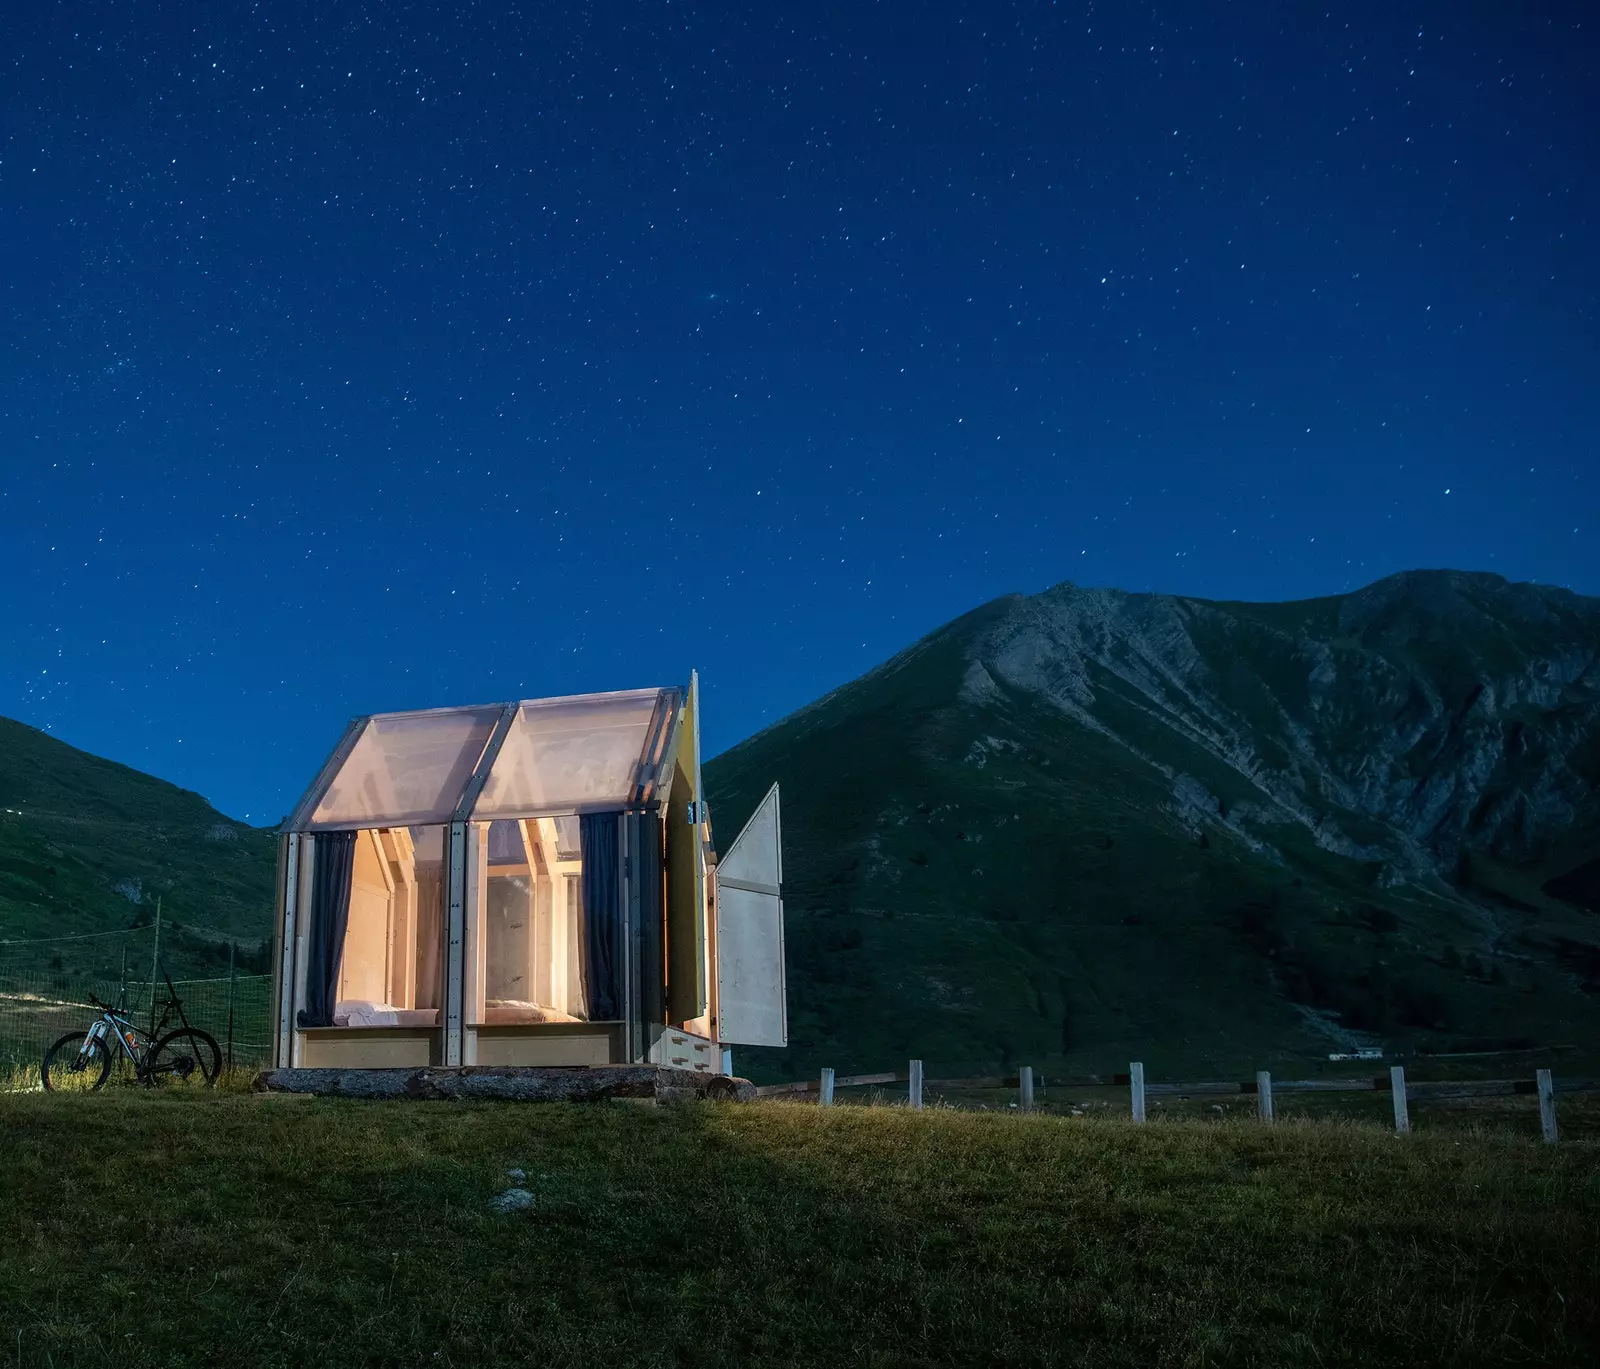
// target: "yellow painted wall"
[[686, 987]]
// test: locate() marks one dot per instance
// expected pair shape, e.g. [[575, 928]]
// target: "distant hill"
[[87, 845], [1088, 824]]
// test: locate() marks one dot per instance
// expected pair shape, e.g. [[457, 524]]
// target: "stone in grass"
[[516, 1175], [512, 1200]]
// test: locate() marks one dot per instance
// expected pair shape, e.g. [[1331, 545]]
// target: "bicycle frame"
[[132, 1040]]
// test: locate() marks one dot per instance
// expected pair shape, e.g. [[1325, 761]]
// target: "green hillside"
[[1088, 826], [87, 845]]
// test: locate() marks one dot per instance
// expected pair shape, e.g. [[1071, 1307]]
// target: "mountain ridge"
[[1071, 826], [1422, 754]]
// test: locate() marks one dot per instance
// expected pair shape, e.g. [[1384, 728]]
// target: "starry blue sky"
[[359, 357]]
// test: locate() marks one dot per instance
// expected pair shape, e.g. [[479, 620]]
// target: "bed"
[[359, 1012], [514, 1012]]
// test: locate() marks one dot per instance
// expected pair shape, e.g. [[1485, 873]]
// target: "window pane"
[[406, 769], [524, 913], [569, 753], [390, 970]]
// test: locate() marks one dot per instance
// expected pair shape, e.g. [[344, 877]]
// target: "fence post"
[[1136, 1089], [155, 962], [1547, 1105], [230, 1004], [1025, 1087], [914, 1094], [1397, 1085], [1264, 1094], [122, 982], [825, 1088]]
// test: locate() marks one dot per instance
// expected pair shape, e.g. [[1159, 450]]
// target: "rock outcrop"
[[1459, 712]]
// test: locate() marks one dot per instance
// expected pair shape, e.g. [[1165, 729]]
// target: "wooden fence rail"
[[1264, 1087], [983, 1081]]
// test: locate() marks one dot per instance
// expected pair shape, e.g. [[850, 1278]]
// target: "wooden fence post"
[[1547, 1105], [914, 1093], [1025, 1087], [1264, 1095], [1136, 1089], [1397, 1085], [825, 1088]]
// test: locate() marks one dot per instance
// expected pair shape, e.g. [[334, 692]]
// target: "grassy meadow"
[[178, 1229]]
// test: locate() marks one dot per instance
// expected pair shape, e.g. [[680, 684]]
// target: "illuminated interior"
[[390, 972], [516, 777], [529, 922], [514, 884]]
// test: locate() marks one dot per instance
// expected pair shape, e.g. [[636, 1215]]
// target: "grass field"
[[148, 1230]]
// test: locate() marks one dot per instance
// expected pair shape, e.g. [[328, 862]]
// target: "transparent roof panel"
[[406, 769], [578, 752]]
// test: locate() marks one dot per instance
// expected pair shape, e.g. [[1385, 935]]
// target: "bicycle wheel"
[[186, 1056], [72, 1067]]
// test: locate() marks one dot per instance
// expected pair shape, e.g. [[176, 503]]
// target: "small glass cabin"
[[528, 883]]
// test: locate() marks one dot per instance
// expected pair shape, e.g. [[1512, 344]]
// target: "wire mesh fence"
[[37, 1010], [48, 988]]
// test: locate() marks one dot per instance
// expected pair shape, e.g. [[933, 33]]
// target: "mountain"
[[1089, 826], [1069, 830], [89, 846]]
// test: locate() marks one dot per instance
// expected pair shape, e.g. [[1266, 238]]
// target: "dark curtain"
[[333, 862], [600, 942], [652, 963]]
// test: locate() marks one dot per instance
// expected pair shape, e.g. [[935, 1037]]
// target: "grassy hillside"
[[147, 1230], [1092, 827], [87, 845]]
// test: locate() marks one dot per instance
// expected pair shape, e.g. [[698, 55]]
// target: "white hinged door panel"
[[752, 1008]]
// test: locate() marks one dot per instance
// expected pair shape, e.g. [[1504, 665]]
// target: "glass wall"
[[525, 922], [391, 970], [374, 900]]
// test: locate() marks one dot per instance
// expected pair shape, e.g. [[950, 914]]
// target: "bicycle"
[[81, 1061]]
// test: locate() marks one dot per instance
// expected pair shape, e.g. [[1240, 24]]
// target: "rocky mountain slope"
[[1088, 823]]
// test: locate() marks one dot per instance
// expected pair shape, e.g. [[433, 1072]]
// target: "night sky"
[[362, 357]]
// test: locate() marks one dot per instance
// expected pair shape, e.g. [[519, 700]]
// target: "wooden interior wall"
[[363, 972], [567, 900]]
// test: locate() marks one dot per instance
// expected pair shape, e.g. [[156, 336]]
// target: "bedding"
[[498, 1012], [358, 1012], [514, 1012]]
